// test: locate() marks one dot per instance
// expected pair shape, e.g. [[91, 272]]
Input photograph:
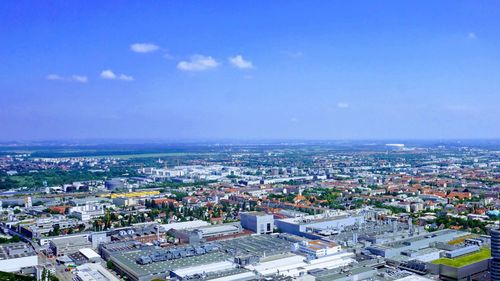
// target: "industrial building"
[[391, 249], [130, 265], [207, 233], [374, 232], [258, 222], [15, 256], [318, 226], [358, 271], [243, 258], [90, 255], [260, 246], [462, 267], [42, 227], [184, 225], [89, 211], [105, 250], [319, 248], [94, 272], [68, 245], [146, 233]]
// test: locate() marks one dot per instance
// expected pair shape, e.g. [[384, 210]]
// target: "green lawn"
[[483, 254]]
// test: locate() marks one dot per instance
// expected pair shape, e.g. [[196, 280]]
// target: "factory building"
[[243, 258], [147, 233], [93, 272], [148, 263], [391, 249], [42, 227], [68, 245], [319, 248], [15, 256], [207, 233], [258, 222], [318, 226]]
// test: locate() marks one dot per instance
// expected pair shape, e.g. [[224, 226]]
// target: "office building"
[[495, 254]]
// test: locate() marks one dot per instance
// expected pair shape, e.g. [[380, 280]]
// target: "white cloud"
[[239, 62], [471, 35], [110, 75], [198, 63], [80, 78], [295, 55], [144, 47], [54, 77], [342, 105], [125, 77], [72, 78]]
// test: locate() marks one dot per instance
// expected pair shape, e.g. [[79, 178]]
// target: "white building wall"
[[13, 265]]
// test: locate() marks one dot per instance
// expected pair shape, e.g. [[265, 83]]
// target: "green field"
[[483, 254]]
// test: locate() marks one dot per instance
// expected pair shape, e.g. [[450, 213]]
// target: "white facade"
[[90, 254], [88, 211], [13, 265], [207, 268], [295, 265], [319, 248]]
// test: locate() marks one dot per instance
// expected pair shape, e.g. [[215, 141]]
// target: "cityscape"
[[294, 211], [249, 140]]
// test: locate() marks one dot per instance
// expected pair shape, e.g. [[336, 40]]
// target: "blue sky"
[[249, 69]]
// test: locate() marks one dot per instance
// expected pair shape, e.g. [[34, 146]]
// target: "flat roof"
[[184, 225], [89, 253], [259, 245], [70, 240], [128, 261], [336, 273], [255, 213], [462, 261], [15, 250], [94, 272], [231, 274], [219, 228], [407, 241], [206, 268], [312, 219], [414, 278]]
